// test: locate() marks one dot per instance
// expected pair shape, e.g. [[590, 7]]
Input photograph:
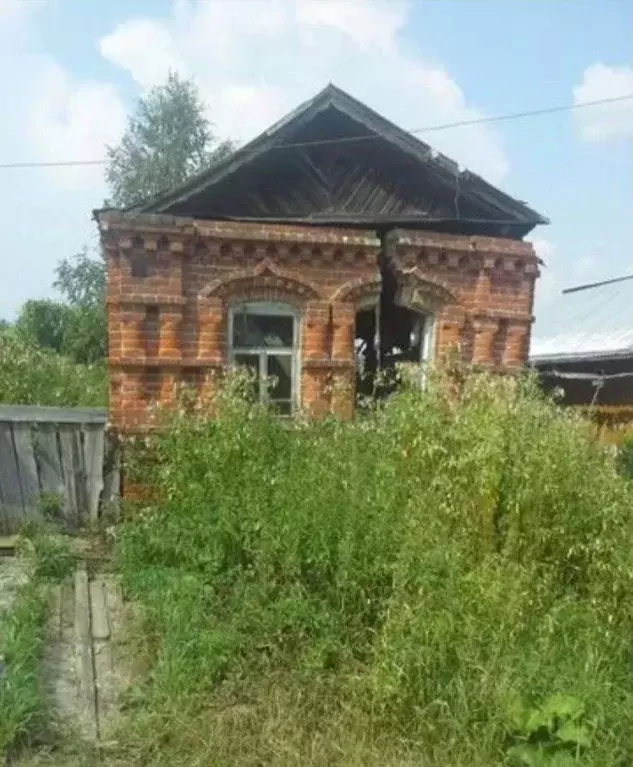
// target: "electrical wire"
[[372, 137], [465, 123]]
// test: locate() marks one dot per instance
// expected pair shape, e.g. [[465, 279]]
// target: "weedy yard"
[[447, 580]]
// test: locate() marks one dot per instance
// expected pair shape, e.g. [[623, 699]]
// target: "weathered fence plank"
[[66, 452], [27, 468], [111, 471], [11, 507], [48, 460], [94, 455], [41, 414]]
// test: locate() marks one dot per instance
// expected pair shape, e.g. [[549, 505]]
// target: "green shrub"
[[625, 458], [439, 559], [51, 553], [30, 375]]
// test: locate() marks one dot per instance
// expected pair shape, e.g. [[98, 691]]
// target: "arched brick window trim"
[[416, 291], [359, 290], [267, 281]]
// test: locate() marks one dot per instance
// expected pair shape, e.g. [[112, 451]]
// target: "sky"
[[73, 70]]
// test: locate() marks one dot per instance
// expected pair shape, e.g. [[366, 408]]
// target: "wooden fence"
[[49, 453]]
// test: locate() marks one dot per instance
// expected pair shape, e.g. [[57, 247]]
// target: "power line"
[[463, 123], [51, 164], [597, 284], [372, 137]]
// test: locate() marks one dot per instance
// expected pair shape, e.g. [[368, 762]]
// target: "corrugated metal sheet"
[[591, 323]]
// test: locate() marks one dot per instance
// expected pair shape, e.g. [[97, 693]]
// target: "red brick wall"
[[172, 280]]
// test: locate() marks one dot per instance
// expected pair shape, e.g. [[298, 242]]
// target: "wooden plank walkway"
[[85, 657]]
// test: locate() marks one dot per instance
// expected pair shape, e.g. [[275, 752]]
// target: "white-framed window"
[[264, 337]]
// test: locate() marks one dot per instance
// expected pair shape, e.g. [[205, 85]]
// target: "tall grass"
[[445, 581], [23, 704]]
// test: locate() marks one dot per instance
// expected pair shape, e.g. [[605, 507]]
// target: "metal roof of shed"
[[591, 322]]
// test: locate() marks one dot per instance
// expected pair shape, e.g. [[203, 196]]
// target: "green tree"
[[31, 375], [44, 323], [167, 140], [75, 327], [82, 281]]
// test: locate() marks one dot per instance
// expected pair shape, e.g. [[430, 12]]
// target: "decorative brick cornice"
[[143, 299], [152, 224], [453, 252]]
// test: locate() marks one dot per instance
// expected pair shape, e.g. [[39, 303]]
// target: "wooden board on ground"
[[85, 670]]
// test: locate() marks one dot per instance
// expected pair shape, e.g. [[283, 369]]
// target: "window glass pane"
[[251, 362], [280, 369], [262, 330]]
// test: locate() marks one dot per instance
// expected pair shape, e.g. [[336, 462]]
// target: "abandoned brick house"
[[335, 239]]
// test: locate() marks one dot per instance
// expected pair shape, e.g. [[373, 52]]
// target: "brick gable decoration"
[[342, 287]]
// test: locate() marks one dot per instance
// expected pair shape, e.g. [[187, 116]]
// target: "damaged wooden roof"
[[334, 161]]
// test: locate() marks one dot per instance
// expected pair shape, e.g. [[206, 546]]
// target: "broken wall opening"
[[387, 335]]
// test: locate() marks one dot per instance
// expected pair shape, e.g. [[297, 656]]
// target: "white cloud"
[[150, 63], [12, 11], [370, 25], [547, 286], [51, 116], [71, 119], [605, 121], [257, 59]]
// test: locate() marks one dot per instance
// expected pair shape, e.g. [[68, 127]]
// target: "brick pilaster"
[[132, 332], [516, 343], [316, 331], [483, 346], [170, 322], [211, 330], [344, 327]]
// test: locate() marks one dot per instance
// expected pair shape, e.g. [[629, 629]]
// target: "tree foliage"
[[75, 328], [43, 322], [30, 375], [82, 280], [167, 140]]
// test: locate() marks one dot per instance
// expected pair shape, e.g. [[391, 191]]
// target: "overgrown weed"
[[23, 706], [412, 574]]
